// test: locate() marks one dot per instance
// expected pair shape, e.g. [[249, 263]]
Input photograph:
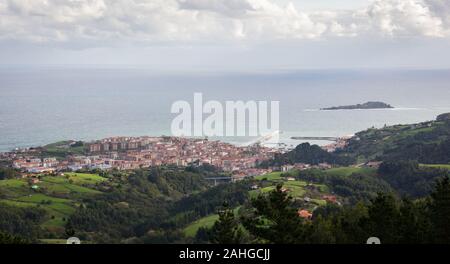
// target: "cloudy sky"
[[227, 34]]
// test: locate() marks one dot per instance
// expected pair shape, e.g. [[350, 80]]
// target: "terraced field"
[[58, 195], [439, 166], [294, 188]]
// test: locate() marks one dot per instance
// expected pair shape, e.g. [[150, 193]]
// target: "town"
[[127, 153]]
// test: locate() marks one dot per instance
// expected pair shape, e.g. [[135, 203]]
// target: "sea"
[[45, 104]]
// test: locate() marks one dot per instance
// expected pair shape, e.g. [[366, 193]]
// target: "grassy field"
[[41, 198], [270, 176], [59, 185], [54, 241], [347, 171], [59, 196], [439, 166], [13, 187], [58, 210], [207, 221], [61, 149], [12, 183], [85, 178], [294, 188], [81, 183]]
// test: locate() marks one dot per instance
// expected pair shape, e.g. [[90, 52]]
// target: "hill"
[[427, 142], [57, 196], [105, 208], [308, 196], [367, 105], [310, 154]]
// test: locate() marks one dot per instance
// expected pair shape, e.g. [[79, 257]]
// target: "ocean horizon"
[[42, 105]]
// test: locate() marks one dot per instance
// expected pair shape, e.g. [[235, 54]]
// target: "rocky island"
[[368, 105]]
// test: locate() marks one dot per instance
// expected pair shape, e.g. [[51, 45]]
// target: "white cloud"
[[442, 9], [404, 18], [98, 22]]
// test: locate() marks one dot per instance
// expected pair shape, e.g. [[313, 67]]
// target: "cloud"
[[442, 9], [101, 22], [404, 18]]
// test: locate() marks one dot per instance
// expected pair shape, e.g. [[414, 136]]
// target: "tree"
[[202, 236], [10, 239], [382, 221], [69, 230], [321, 231], [414, 224], [347, 224], [440, 211], [226, 230], [7, 173], [274, 219], [408, 178], [306, 153]]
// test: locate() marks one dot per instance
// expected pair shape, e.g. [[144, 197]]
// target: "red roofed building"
[[330, 198], [304, 214]]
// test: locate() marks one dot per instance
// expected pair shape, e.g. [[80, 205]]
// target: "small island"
[[368, 105]]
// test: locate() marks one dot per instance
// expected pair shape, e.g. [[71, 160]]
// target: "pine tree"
[[226, 230], [10, 239], [414, 224], [274, 219], [321, 231], [383, 219], [69, 230], [440, 211]]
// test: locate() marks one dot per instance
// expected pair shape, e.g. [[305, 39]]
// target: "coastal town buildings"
[[340, 143], [126, 153]]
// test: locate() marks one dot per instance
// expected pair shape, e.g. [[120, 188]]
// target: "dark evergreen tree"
[[8, 173], [10, 239], [274, 219], [226, 230], [321, 231], [68, 229], [414, 224], [202, 236], [347, 225], [440, 211], [382, 220]]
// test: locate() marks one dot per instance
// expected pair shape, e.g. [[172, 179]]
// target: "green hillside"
[[427, 142], [59, 196], [266, 183]]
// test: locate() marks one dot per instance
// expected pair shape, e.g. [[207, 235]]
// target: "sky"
[[219, 35], [312, 5]]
